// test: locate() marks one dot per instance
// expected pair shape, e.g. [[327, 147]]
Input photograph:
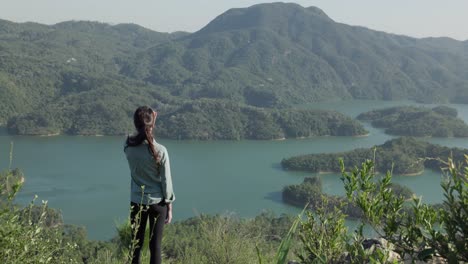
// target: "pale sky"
[[417, 18]]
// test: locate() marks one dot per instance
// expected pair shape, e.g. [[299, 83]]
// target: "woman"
[[151, 192]]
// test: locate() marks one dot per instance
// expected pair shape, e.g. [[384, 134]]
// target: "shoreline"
[[326, 172], [361, 136], [278, 139], [309, 137], [214, 139], [47, 135], [61, 134], [418, 173]]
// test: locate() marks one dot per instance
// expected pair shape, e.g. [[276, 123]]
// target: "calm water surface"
[[87, 178]]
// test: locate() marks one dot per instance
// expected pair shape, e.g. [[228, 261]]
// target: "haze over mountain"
[[83, 76]]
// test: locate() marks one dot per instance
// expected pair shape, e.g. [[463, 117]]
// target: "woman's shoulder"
[[159, 146]]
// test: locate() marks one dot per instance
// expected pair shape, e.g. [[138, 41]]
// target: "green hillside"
[[68, 77], [40, 65]]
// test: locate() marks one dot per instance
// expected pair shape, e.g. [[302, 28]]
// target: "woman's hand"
[[169, 213]]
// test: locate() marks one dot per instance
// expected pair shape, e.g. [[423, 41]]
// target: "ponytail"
[[144, 120], [149, 139]]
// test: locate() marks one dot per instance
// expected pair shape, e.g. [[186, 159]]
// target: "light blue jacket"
[[147, 185]]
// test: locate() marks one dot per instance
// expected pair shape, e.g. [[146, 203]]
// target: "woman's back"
[[154, 176]]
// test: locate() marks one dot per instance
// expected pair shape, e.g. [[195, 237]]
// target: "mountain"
[[268, 56], [300, 54]]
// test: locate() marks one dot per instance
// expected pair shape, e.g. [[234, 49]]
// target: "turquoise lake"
[[87, 178]]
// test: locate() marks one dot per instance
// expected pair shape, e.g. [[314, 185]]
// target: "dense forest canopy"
[[440, 121], [202, 119], [217, 119], [83, 77]]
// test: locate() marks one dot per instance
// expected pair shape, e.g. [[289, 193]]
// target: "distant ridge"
[[273, 16]]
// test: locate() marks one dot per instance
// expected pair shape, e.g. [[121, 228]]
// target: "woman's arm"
[[169, 214], [168, 191], [166, 179]]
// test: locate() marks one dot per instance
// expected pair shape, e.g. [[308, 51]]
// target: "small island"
[[405, 156], [440, 121]]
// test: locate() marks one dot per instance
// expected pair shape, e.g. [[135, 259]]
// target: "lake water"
[[87, 178]]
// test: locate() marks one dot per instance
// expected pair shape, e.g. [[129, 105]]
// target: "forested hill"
[[300, 54], [403, 155], [91, 74], [47, 69]]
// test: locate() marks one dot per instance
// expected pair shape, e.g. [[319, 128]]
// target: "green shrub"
[[28, 239], [421, 232]]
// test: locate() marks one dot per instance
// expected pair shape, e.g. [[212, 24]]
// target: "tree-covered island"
[[403, 155], [204, 119], [440, 121], [214, 119]]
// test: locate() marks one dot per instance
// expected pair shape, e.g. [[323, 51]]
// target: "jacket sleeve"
[[166, 179]]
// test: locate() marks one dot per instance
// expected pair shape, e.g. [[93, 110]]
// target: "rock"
[[372, 243]]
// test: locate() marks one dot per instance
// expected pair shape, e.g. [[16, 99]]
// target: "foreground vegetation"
[[309, 193], [403, 155], [422, 233], [440, 121], [35, 234]]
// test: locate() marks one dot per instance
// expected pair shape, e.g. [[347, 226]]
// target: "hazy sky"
[[419, 18]]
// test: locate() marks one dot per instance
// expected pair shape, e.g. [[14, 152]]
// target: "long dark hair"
[[144, 120]]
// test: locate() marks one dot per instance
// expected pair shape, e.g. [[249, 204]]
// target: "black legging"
[[157, 216]]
